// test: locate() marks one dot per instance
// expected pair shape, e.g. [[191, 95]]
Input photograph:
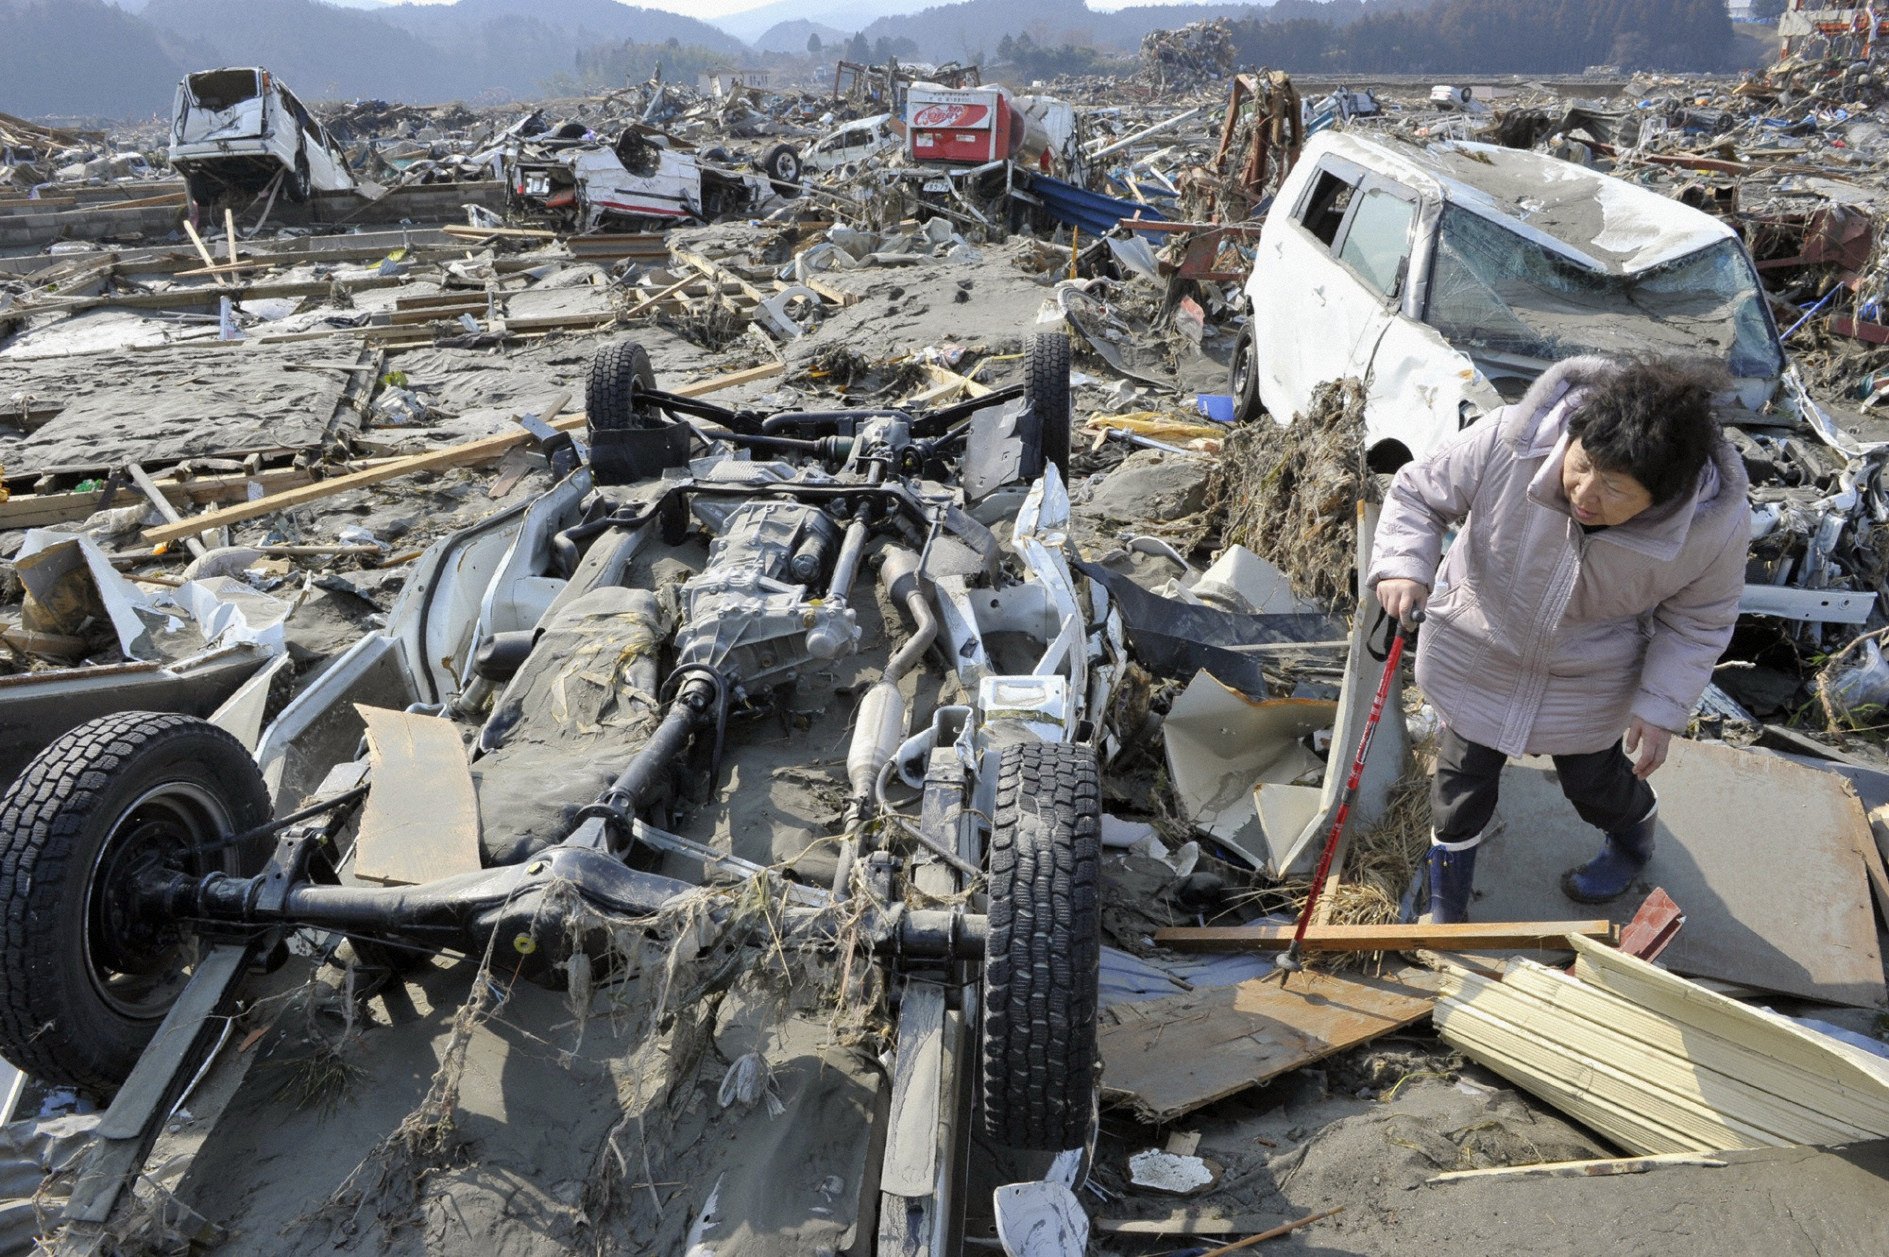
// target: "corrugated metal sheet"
[[1660, 1064]]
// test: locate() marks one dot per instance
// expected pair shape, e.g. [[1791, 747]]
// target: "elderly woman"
[[1592, 585]]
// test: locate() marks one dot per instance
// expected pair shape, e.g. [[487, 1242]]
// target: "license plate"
[[938, 185]]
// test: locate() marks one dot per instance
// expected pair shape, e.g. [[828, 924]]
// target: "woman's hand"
[[1650, 743], [1400, 597]]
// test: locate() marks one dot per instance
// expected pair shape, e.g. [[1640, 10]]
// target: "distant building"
[[721, 82]]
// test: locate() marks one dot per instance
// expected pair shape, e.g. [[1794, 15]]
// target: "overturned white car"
[[642, 181], [1447, 277]]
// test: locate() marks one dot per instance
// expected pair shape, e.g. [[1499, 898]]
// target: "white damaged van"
[[233, 131]]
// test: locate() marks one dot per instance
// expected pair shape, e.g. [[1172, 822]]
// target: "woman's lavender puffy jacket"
[[1542, 639]]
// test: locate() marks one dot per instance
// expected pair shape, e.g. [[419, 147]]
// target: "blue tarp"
[[1079, 207]]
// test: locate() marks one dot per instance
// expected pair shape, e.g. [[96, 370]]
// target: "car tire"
[[1042, 963], [1046, 387], [1243, 376], [618, 373], [783, 166], [301, 183], [84, 983]]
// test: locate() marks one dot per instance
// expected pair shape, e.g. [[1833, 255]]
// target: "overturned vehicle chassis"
[[147, 875]]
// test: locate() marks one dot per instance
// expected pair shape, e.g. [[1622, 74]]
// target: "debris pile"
[[1194, 56], [468, 473]]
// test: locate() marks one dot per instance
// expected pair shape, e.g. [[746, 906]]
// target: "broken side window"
[[639, 154], [1377, 244], [1504, 294], [1325, 206]]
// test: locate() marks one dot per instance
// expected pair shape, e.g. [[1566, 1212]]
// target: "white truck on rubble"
[[235, 131], [1448, 276], [969, 145]]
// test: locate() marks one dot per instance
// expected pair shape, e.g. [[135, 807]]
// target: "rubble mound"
[[1190, 57], [1286, 493]]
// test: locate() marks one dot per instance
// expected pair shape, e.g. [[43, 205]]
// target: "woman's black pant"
[[1600, 785]]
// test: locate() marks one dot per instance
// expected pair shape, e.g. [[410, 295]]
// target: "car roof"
[[1604, 223]]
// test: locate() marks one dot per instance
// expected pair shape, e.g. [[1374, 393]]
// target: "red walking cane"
[[1294, 959]]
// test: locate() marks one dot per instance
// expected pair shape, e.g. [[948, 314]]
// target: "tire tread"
[[1042, 962]]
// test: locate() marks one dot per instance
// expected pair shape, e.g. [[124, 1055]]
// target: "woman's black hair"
[[1652, 420]]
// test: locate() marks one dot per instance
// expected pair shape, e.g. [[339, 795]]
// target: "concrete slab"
[[1761, 854]]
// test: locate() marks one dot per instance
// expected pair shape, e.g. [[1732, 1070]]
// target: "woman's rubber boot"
[[1452, 876], [1608, 875]]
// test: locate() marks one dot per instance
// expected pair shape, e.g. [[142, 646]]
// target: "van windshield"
[[1499, 292], [217, 90]]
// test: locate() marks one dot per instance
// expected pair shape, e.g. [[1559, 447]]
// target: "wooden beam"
[[203, 250], [657, 297], [838, 296], [229, 229], [1468, 936], [716, 271], [37, 510], [433, 460], [464, 232], [156, 498], [460, 455]]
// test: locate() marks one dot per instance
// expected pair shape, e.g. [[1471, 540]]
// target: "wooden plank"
[[1871, 844], [464, 232], [196, 240], [716, 271], [1166, 1057], [1606, 1168], [1202, 1221], [460, 455], [423, 823], [156, 498], [37, 510], [1467, 936], [432, 460], [229, 230], [838, 296], [657, 297], [1793, 917]]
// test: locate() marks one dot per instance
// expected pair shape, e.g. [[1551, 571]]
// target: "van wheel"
[[1042, 964], [783, 166], [301, 183], [85, 974], [1046, 388], [201, 189], [1243, 376]]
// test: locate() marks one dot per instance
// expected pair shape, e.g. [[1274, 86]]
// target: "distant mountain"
[[842, 15], [102, 60], [322, 52], [83, 58], [583, 21], [972, 29], [791, 37]]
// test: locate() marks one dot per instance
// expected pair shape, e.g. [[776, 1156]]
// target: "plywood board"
[[1764, 857], [1167, 1057], [421, 819]]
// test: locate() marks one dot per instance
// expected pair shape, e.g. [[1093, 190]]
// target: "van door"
[[1305, 319]]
